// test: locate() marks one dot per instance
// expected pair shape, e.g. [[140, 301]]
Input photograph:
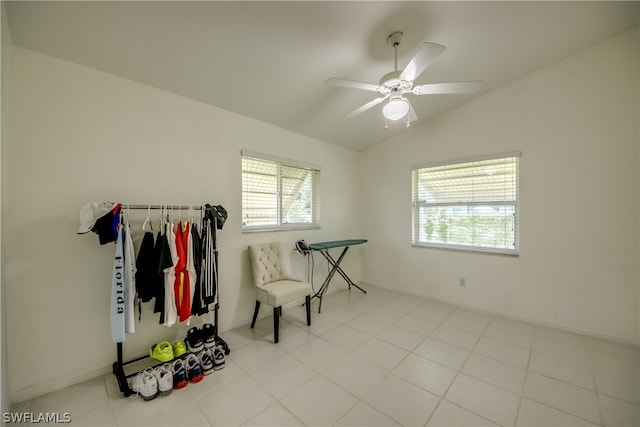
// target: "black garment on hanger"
[[165, 261], [146, 268], [198, 308]]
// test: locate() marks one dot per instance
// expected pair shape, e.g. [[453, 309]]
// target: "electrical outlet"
[[463, 282]]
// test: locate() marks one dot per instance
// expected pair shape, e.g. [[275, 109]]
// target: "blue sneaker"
[[194, 369], [179, 374]]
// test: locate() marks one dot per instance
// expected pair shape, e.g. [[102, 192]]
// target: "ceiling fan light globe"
[[395, 109]]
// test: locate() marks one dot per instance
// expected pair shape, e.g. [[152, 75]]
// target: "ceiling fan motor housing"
[[391, 81]]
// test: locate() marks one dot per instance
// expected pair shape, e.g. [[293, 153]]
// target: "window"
[[278, 193], [471, 205]]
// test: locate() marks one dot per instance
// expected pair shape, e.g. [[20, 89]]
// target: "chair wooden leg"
[[255, 314], [307, 302], [276, 323]]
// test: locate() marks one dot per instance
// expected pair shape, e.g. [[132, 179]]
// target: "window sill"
[[281, 228], [485, 251]]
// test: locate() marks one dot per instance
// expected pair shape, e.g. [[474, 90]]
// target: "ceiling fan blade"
[[426, 54], [446, 88], [365, 107], [412, 114], [352, 84]]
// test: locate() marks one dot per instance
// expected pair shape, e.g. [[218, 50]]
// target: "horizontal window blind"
[[470, 205], [278, 195]]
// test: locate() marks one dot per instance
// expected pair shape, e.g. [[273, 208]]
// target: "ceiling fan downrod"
[[394, 40]]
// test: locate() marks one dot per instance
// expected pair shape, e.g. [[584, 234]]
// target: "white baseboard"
[[507, 315], [32, 392]]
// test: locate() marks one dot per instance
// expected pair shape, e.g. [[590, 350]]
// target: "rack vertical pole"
[[118, 371]]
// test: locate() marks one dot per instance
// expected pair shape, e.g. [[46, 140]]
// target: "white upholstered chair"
[[273, 283]]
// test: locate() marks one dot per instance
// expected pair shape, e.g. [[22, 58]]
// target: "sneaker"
[[225, 346], [194, 369], [179, 348], [206, 361], [209, 335], [179, 374], [146, 384], [194, 340], [164, 376], [218, 357], [161, 351]]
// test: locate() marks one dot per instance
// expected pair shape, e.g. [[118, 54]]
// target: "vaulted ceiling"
[[270, 60]]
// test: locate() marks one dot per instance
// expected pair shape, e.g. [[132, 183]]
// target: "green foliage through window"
[[471, 205]]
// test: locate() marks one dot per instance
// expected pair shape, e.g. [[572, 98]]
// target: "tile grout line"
[[109, 397], [558, 380], [524, 383], [595, 384], [459, 371], [319, 373]]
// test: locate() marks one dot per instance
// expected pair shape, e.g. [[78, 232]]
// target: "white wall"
[[5, 58], [576, 123], [78, 135]]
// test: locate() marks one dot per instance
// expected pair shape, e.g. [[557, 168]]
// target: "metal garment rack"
[[120, 363]]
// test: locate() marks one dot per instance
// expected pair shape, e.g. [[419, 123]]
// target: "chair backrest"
[[267, 263]]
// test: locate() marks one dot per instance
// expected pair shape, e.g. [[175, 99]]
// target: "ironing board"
[[323, 248]]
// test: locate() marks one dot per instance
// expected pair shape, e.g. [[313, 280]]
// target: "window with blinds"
[[278, 194], [470, 206]]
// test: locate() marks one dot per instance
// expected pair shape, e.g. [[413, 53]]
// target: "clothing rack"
[[156, 207], [120, 363]]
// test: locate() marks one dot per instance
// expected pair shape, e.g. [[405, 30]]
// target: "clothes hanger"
[[147, 222]]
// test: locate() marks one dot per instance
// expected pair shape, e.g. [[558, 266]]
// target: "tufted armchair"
[[273, 284]]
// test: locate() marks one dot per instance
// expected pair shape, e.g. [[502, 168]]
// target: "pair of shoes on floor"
[[179, 348], [207, 336], [166, 352], [197, 339], [211, 359], [164, 377], [186, 371], [151, 382]]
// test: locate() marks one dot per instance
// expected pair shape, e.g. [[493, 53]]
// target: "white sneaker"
[[164, 376], [146, 384], [218, 357], [206, 361]]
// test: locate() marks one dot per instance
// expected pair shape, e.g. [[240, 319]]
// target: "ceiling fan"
[[395, 85]]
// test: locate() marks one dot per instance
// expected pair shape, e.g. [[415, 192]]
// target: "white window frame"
[[417, 204], [280, 224]]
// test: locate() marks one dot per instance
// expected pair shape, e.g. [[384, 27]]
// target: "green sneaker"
[[161, 351], [179, 348]]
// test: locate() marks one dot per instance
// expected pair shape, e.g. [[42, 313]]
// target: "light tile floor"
[[386, 358]]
